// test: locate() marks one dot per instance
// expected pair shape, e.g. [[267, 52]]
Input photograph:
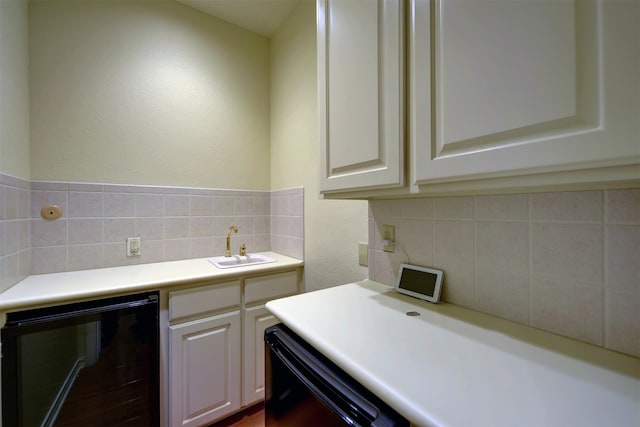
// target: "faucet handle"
[[243, 249]]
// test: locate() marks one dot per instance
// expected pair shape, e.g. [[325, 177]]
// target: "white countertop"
[[452, 366], [47, 289]]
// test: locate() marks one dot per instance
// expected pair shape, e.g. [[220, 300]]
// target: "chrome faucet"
[[235, 230]]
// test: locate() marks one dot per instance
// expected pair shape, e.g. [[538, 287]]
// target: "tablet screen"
[[420, 282]]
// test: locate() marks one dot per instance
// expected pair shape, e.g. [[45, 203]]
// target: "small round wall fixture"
[[51, 212]]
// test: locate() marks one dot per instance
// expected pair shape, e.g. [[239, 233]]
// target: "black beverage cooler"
[[92, 363]]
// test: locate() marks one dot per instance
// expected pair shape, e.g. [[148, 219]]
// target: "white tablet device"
[[420, 282]]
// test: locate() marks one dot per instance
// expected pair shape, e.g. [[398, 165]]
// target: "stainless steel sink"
[[240, 260]]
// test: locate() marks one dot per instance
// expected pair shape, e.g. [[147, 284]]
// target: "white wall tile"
[[10, 241], [501, 293], [417, 208], [262, 224], [85, 230], [261, 206], [544, 259], [176, 205], [84, 257], [118, 229], [40, 199], [417, 239], [176, 249], [453, 208], [222, 206], [149, 205], [150, 228], [201, 247], [578, 206], [50, 259], [173, 222], [119, 205], [514, 207], [622, 324], [387, 265], [387, 208], [623, 206], [459, 282], [569, 308], [10, 204], [48, 233], [454, 240], [201, 226], [3, 202], [623, 257], [176, 228], [85, 204], [15, 230], [201, 205], [3, 239], [571, 251], [504, 245], [242, 206]]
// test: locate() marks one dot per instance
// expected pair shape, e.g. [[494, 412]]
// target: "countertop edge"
[[54, 288]]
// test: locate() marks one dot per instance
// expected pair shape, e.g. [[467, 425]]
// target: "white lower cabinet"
[[205, 353], [205, 369], [215, 346], [256, 320], [257, 291]]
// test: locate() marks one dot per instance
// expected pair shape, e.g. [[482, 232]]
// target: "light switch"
[[363, 254]]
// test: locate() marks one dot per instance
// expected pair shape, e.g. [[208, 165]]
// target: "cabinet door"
[[503, 88], [257, 319], [360, 94], [204, 377]]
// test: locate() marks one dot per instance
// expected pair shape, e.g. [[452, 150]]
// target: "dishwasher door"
[[304, 388]]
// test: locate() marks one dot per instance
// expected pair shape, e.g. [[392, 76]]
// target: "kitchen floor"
[[251, 417]]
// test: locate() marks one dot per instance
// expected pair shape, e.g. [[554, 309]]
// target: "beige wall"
[[14, 89], [332, 228], [147, 93]]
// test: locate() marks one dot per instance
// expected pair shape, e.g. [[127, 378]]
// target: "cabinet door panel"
[[257, 319], [523, 87], [360, 93], [205, 369]]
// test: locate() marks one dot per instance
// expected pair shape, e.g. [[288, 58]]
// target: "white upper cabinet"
[[507, 88], [360, 94]]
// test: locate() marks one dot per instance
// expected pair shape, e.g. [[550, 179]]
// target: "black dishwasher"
[[304, 388], [93, 363]]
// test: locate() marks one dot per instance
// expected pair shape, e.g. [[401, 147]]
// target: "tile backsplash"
[[566, 262], [15, 240], [174, 223]]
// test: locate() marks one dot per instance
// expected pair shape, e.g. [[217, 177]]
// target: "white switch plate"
[[363, 254], [134, 246]]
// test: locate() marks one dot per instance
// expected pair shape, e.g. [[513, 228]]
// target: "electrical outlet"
[[388, 238], [134, 246]]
